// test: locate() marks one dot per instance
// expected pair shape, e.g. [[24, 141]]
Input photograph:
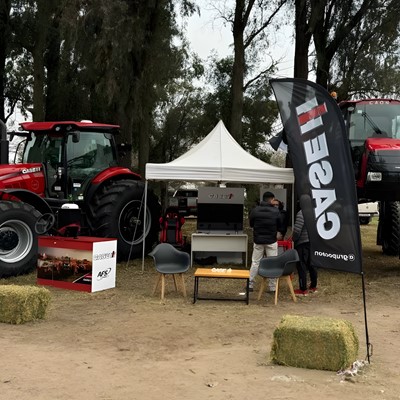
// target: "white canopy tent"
[[217, 158]]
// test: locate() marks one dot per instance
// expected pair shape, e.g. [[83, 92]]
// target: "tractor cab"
[[72, 155], [373, 128]]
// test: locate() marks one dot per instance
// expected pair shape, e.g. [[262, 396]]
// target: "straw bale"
[[20, 304], [315, 343]]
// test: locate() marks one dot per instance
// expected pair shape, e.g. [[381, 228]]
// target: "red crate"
[[284, 245]]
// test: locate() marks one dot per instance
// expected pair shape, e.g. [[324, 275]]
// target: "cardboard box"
[[84, 263]]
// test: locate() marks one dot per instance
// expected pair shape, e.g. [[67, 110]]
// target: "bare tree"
[[249, 21]]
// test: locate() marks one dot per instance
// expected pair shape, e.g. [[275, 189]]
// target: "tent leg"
[[144, 224]]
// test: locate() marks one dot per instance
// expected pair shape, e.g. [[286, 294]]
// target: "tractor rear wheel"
[[389, 227], [117, 211], [18, 238]]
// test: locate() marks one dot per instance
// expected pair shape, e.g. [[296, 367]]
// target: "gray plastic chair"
[[170, 261], [281, 266]]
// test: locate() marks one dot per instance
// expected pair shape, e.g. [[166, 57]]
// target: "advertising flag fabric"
[[323, 170]]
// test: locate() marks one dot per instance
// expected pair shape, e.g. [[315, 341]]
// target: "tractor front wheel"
[[18, 238], [389, 227]]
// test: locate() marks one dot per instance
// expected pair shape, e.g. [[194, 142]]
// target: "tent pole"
[[144, 224]]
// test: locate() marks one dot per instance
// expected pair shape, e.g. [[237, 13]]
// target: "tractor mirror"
[[76, 136], [123, 149]]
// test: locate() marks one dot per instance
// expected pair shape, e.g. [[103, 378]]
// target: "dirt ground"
[[124, 343]]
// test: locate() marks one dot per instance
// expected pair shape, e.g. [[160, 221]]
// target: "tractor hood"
[[377, 144], [379, 177], [22, 176]]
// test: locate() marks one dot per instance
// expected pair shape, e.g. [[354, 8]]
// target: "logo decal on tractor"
[[30, 170]]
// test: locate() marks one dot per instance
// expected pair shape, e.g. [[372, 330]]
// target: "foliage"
[[99, 60], [128, 62], [179, 119], [366, 65], [259, 111], [249, 21]]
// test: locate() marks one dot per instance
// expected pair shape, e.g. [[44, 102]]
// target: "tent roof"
[[218, 157]]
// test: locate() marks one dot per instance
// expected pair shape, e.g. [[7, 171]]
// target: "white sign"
[[104, 265]]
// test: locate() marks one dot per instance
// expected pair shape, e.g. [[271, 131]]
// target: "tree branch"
[[255, 33]]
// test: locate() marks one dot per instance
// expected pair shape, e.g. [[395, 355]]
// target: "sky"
[[207, 34]]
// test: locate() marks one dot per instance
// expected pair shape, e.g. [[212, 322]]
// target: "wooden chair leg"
[[262, 287], [157, 283], [183, 285], [276, 291], [176, 286], [289, 282], [162, 286]]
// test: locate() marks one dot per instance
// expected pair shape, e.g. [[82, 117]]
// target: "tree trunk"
[[146, 90], [237, 74], [43, 17], [302, 41], [5, 9], [53, 97], [237, 92], [322, 73], [125, 120]]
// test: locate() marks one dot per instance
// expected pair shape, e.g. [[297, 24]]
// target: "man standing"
[[266, 223], [283, 216]]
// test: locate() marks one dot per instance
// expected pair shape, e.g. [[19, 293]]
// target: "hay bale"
[[20, 304], [315, 343]]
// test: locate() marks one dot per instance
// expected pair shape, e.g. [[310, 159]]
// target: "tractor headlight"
[[374, 176]]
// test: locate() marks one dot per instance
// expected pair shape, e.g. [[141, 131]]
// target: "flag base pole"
[[369, 345]]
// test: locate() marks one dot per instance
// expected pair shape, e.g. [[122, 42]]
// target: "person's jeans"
[[259, 250], [305, 266]]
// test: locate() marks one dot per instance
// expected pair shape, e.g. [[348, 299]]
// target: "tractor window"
[[379, 119], [396, 127], [43, 148], [93, 151]]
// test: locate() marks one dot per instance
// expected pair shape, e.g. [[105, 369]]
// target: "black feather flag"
[[324, 176]]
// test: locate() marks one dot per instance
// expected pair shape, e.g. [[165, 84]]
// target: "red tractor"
[[373, 128], [62, 164]]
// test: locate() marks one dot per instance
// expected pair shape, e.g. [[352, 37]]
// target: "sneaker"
[[312, 289], [250, 289], [299, 292]]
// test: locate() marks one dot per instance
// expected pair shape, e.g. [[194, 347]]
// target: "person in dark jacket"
[[302, 245], [265, 220], [283, 216]]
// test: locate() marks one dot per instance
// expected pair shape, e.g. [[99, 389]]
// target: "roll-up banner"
[[323, 170]]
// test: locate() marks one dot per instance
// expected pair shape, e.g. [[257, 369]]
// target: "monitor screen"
[[219, 217]]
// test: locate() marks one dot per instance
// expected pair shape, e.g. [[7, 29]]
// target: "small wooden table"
[[224, 274]]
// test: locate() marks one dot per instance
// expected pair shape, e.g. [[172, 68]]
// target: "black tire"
[[117, 212], [389, 227], [18, 238]]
